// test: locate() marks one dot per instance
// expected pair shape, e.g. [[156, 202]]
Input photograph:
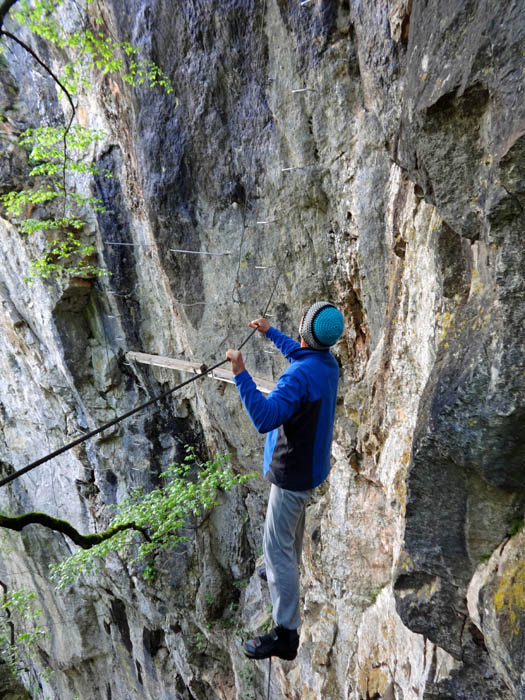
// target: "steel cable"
[[118, 419]]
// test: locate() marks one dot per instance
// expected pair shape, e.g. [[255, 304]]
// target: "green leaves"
[[57, 153], [47, 143], [94, 48], [516, 526], [15, 202], [17, 614], [52, 152], [189, 490], [65, 258], [31, 225]]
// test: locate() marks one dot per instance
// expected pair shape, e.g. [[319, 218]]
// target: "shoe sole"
[[286, 657]]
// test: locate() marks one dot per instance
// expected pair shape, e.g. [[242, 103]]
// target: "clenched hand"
[[235, 358]]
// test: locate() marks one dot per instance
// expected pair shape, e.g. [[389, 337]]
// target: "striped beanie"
[[322, 325]]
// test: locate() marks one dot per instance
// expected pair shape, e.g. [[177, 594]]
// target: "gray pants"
[[282, 545]]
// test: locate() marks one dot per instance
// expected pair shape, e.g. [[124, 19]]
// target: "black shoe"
[[280, 642], [261, 573]]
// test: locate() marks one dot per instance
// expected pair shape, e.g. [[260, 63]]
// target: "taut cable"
[[97, 431]]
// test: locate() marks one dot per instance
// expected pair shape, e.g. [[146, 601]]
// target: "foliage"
[[268, 623], [231, 615], [372, 596], [190, 489], [247, 676], [18, 611], [241, 584], [54, 262], [200, 641], [516, 526], [93, 48], [52, 152], [57, 153]]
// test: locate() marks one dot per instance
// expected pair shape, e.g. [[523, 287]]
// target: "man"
[[298, 416]]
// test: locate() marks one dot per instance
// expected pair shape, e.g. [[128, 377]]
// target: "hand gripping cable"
[[118, 419]]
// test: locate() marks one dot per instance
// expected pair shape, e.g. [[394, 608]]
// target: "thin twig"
[[45, 67], [66, 93]]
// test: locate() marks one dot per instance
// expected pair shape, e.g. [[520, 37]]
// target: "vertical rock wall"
[[383, 144]]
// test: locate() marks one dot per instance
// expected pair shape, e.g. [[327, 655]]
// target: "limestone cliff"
[[383, 142]]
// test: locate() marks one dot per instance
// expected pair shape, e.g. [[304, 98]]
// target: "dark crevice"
[[119, 617]]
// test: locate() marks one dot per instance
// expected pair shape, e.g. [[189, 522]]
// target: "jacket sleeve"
[[269, 412], [282, 342]]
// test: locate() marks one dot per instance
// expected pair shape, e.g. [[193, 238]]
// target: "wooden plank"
[[223, 375]]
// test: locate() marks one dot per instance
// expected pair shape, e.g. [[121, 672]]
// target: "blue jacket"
[[298, 415]]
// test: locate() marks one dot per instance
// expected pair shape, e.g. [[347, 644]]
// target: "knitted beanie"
[[322, 325]]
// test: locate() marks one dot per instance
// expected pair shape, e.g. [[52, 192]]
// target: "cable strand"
[[132, 412]]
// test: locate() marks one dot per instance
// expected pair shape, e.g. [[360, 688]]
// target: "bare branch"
[[17, 523], [45, 67]]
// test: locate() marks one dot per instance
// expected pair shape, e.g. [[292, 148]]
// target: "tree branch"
[[4, 9], [30, 51], [18, 522]]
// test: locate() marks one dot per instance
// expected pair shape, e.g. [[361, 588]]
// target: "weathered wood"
[[223, 375]]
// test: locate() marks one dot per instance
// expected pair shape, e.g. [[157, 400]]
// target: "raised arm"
[[282, 342], [269, 412]]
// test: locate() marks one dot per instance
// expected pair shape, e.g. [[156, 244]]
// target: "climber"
[[298, 416]]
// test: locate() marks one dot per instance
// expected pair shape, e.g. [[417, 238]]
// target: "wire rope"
[[132, 412]]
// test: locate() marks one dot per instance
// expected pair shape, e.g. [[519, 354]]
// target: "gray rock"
[[383, 145]]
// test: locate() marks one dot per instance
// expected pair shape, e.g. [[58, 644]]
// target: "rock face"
[[383, 145]]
